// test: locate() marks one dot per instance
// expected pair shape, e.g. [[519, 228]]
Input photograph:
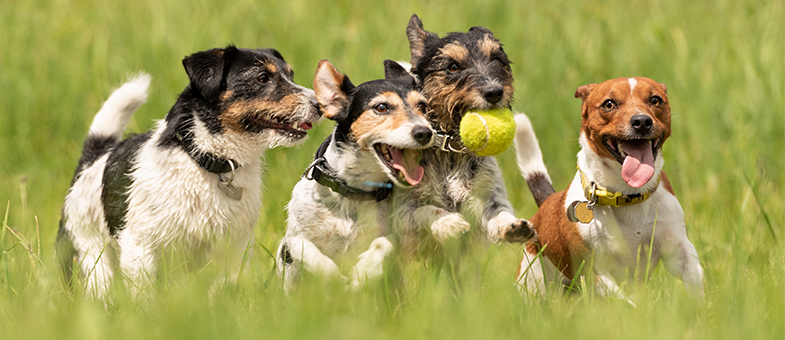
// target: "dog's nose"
[[494, 95], [641, 123], [422, 134]]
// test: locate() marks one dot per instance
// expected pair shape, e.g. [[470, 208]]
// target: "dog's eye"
[[656, 101], [381, 108], [608, 105], [453, 67], [421, 107], [263, 78]]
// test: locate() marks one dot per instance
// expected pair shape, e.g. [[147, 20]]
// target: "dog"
[[459, 73], [193, 180], [379, 134], [620, 211]]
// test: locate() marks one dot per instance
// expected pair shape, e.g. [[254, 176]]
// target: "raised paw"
[[448, 226], [519, 231]]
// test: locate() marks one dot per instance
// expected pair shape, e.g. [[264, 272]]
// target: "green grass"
[[723, 62]]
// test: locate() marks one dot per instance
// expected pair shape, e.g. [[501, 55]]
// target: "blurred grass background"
[[723, 62]]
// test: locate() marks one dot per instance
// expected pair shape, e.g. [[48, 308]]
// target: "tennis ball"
[[488, 133]]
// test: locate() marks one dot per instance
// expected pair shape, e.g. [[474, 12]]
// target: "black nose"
[[494, 95], [422, 134], [641, 123]]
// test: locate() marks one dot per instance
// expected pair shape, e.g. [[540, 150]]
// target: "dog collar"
[[206, 160], [446, 142], [602, 196], [324, 174]]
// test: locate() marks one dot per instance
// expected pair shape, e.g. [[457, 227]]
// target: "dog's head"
[[244, 95], [626, 120], [384, 118], [461, 72]]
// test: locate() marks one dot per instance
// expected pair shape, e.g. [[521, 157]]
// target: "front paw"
[[519, 231], [449, 226]]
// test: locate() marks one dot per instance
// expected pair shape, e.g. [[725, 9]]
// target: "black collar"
[[205, 160], [324, 174]]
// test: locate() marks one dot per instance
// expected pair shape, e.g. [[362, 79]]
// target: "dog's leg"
[[533, 272], [444, 225], [138, 261], [605, 287], [498, 218], [681, 260], [370, 265], [297, 254]]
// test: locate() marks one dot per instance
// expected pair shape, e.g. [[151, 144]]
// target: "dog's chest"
[[171, 196], [448, 179]]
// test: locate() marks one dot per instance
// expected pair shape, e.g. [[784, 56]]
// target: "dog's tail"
[[110, 122], [530, 160]]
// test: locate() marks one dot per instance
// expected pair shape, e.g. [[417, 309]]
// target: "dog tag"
[[232, 191], [579, 211]]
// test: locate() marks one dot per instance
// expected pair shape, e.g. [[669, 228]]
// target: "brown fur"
[[233, 117], [369, 124], [564, 243]]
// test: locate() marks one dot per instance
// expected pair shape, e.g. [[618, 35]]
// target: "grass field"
[[723, 62]]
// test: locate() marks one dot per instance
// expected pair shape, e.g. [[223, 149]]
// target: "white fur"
[[529, 155], [111, 120]]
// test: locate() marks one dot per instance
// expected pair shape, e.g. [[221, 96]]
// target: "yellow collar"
[[602, 196]]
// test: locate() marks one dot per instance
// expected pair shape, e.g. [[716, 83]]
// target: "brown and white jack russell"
[[620, 211]]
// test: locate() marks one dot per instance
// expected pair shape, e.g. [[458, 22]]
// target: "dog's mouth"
[[636, 157], [404, 164], [296, 130]]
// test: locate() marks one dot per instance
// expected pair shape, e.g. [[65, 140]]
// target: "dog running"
[[380, 133], [193, 180], [620, 211]]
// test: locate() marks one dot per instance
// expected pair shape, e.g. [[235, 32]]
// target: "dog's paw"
[[449, 226], [519, 231]]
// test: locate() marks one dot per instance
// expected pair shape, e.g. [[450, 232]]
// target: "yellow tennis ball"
[[488, 133]]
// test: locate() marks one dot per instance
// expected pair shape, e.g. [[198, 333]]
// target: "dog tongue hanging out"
[[625, 121]]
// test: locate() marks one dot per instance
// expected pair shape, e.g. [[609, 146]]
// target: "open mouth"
[[636, 157], [403, 163], [291, 129]]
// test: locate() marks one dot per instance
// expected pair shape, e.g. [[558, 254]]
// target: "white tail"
[[530, 160], [114, 115]]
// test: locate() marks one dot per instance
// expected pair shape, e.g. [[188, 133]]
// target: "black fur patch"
[[94, 148], [117, 180], [286, 255], [540, 187]]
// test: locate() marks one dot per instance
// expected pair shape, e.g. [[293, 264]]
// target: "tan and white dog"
[[620, 208]]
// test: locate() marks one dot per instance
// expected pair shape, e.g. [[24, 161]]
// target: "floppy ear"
[[395, 71], [417, 37], [331, 90], [206, 70], [583, 91], [664, 88]]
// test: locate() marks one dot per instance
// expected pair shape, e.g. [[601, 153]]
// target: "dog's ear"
[[417, 38], [583, 91], [332, 90], [664, 88], [206, 70], [481, 30], [395, 71]]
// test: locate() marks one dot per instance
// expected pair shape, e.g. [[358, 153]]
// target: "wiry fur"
[[460, 73], [323, 224], [132, 199], [618, 238]]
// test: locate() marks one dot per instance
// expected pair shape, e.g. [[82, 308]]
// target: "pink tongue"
[[406, 162], [638, 167], [306, 126]]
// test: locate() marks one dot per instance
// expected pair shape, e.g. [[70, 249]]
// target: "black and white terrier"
[[380, 132], [193, 180]]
